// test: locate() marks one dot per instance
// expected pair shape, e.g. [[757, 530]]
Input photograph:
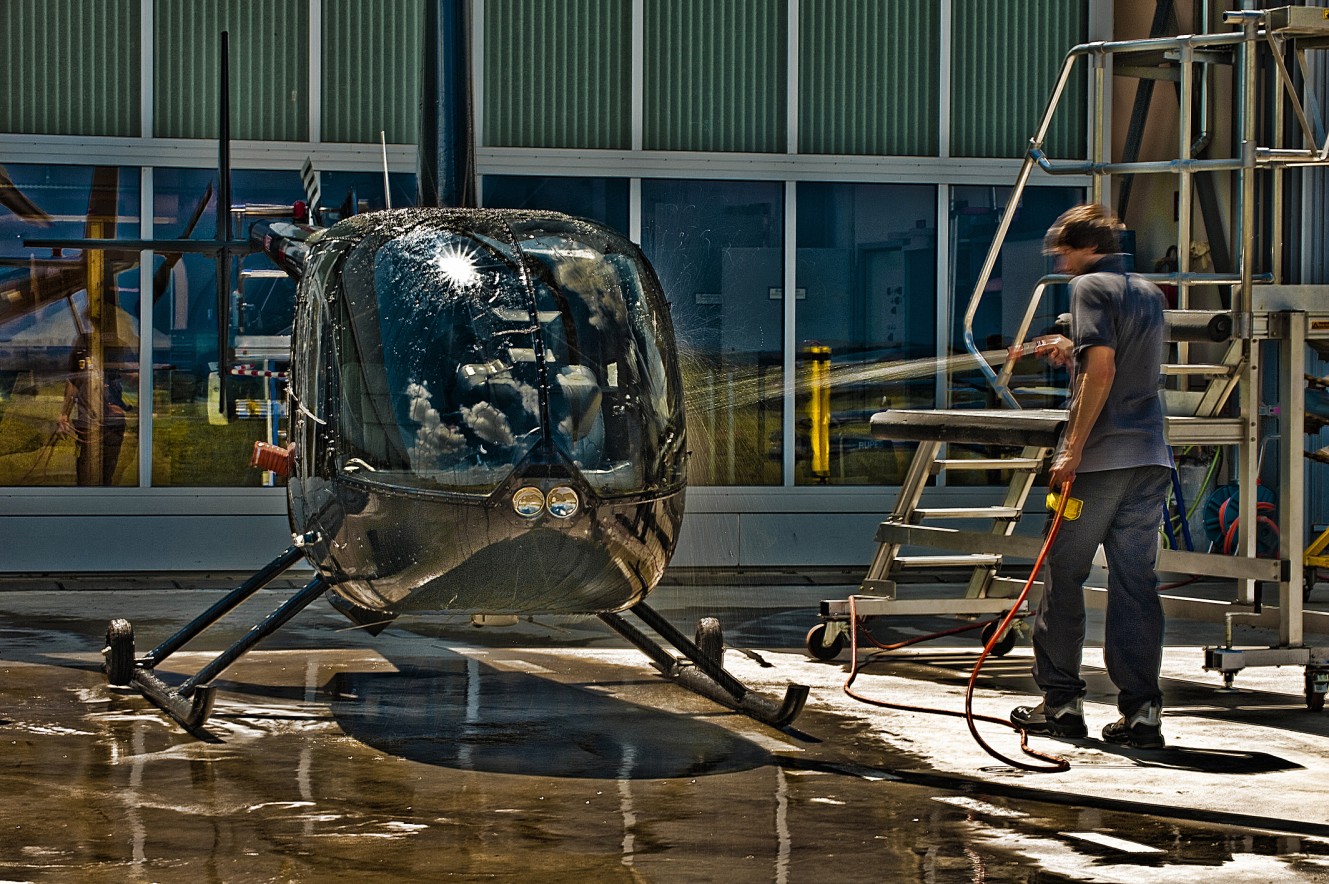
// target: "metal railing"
[[1300, 29]]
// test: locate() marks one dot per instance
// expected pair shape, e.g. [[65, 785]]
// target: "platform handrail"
[[1181, 50]]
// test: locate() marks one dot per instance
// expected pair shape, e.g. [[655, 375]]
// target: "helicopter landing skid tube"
[[190, 703], [702, 672]]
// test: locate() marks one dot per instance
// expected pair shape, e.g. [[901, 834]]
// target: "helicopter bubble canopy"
[[465, 345]]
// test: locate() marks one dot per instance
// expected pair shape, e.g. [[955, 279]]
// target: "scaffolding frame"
[[1260, 310]]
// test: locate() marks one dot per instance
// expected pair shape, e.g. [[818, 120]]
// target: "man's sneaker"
[[1141, 729], [1057, 721]]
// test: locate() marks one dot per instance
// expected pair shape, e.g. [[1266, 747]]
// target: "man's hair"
[[1085, 226]]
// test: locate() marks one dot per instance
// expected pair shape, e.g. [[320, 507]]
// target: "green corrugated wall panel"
[[371, 70], [558, 73], [868, 74], [1006, 56], [71, 67], [269, 68], [715, 74]]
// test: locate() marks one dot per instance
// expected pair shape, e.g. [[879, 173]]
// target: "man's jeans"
[[1123, 510]]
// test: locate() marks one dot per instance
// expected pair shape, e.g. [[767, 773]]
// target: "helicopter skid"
[[704, 674], [190, 703], [751, 704], [190, 711]]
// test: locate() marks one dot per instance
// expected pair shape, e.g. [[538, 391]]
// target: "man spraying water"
[[1113, 450]]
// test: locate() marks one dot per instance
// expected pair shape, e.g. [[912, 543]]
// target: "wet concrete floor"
[[549, 751]]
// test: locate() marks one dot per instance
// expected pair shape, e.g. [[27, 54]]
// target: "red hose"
[[1055, 763]]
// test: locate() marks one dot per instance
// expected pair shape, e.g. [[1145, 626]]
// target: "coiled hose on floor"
[[1054, 763]]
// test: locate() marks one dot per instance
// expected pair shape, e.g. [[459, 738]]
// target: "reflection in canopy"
[[463, 353]]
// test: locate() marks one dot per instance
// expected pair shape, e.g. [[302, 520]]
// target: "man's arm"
[[63, 426], [1097, 371]]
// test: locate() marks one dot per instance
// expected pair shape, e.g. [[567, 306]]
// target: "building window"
[[718, 249], [195, 440], [599, 199], [866, 315], [975, 213], [68, 329]]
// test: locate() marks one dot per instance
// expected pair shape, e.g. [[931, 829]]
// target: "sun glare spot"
[[457, 266]]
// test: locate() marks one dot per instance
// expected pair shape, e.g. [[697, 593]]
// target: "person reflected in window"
[[78, 422]]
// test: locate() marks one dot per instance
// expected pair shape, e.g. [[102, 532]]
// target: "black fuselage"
[[486, 414]]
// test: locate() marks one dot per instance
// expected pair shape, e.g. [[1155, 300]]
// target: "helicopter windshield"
[[614, 410], [482, 344]]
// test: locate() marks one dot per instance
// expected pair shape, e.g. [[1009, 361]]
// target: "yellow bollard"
[[819, 408]]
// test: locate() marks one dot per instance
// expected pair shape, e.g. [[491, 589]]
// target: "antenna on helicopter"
[[387, 188]]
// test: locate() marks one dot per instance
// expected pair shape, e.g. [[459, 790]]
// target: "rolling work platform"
[[1261, 328]]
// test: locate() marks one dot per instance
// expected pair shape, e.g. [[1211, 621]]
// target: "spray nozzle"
[[1056, 347]]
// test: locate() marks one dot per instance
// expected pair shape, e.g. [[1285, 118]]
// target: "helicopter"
[[485, 417]]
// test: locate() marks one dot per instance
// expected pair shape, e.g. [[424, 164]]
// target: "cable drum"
[[1221, 522]]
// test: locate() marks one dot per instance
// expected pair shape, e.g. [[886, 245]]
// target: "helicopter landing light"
[[528, 502], [562, 502]]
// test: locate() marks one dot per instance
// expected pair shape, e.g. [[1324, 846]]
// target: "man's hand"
[[1063, 470], [1055, 348]]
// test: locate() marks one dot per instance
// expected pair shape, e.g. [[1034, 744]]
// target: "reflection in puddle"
[[625, 802], [783, 841], [381, 794]]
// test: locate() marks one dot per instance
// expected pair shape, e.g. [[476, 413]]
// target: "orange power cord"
[[1055, 763]]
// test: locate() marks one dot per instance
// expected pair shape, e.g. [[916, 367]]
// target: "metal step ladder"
[[913, 525], [983, 584]]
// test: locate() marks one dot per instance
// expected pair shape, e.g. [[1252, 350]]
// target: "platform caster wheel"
[[1315, 698], [1308, 583], [119, 652], [710, 639], [817, 646], [1003, 647]]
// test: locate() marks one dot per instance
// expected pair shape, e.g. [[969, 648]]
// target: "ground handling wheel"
[[1002, 647], [710, 639], [119, 652], [819, 648]]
